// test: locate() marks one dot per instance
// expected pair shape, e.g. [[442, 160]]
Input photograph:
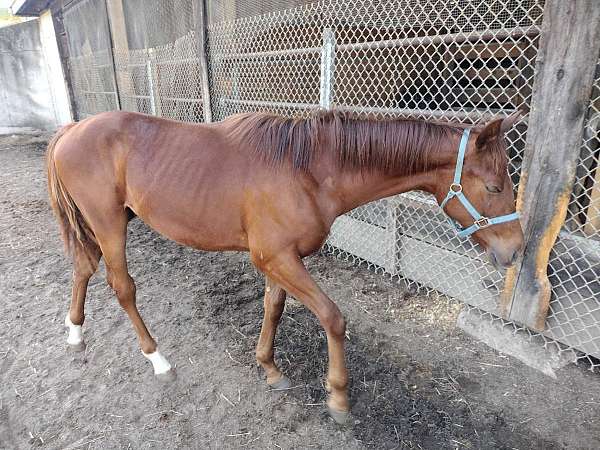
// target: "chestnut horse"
[[264, 184]]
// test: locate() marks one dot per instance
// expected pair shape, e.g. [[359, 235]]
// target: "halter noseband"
[[455, 190]]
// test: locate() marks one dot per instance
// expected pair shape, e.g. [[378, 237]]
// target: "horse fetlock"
[[264, 357], [74, 318], [338, 399], [75, 337], [336, 384], [273, 375], [159, 362], [272, 372]]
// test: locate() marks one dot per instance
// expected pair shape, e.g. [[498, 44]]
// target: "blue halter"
[[479, 221]]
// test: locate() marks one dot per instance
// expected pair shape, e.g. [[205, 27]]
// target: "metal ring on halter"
[[456, 187], [483, 222]]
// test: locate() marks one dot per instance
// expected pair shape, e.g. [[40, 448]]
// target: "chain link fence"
[[574, 315], [156, 58], [90, 57], [452, 60]]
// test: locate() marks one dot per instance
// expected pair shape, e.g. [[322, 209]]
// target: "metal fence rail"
[[451, 60]]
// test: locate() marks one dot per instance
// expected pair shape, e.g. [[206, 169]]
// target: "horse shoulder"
[[282, 212]]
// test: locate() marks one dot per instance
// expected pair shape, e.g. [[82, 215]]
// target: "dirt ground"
[[416, 380]]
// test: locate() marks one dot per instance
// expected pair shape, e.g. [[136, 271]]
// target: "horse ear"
[[496, 128], [490, 132], [508, 122]]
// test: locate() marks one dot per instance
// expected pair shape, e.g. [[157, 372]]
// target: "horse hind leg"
[[112, 242], [85, 263]]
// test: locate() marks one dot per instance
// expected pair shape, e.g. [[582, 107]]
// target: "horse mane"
[[356, 142]]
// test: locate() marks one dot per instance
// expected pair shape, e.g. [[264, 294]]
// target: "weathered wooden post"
[[112, 55], [120, 46], [200, 14], [569, 49]]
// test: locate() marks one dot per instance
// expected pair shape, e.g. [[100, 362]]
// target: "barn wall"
[[32, 89]]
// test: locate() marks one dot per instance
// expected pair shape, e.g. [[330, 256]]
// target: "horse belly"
[[202, 225]]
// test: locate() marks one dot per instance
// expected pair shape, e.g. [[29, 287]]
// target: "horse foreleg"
[[274, 303], [287, 270]]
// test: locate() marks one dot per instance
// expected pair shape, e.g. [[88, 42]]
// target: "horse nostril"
[[514, 257]]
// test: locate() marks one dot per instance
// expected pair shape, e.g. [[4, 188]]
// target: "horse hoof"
[[78, 347], [340, 417], [167, 377], [281, 384]]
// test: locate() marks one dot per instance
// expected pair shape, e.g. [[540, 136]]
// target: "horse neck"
[[354, 187]]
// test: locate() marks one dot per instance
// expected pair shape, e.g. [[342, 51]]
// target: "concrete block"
[[519, 344]]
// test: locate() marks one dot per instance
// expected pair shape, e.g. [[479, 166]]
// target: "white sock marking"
[[160, 363], [75, 332]]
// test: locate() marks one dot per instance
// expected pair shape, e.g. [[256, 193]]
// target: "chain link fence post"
[[200, 14], [327, 68], [151, 89]]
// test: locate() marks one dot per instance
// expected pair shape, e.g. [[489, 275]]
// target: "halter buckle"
[[456, 188], [483, 222]]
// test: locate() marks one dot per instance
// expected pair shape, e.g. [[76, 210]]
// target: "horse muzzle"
[[505, 257]]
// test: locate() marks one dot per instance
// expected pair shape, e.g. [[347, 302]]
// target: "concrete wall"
[[32, 88], [54, 70]]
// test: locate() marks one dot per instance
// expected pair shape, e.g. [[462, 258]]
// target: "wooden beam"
[[569, 48], [111, 51], [201, 19], [56, 7]]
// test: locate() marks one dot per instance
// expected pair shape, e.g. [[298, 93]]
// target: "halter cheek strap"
[[479, 221]]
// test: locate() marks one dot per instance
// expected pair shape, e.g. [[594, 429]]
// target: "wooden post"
[[569, 48], [200, 15], [120, 46], [63, 49], [111, 50]]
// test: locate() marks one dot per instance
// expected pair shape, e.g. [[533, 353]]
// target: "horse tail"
[[76, 232]]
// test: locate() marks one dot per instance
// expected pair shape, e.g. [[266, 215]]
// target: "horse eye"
[[493, 189]]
